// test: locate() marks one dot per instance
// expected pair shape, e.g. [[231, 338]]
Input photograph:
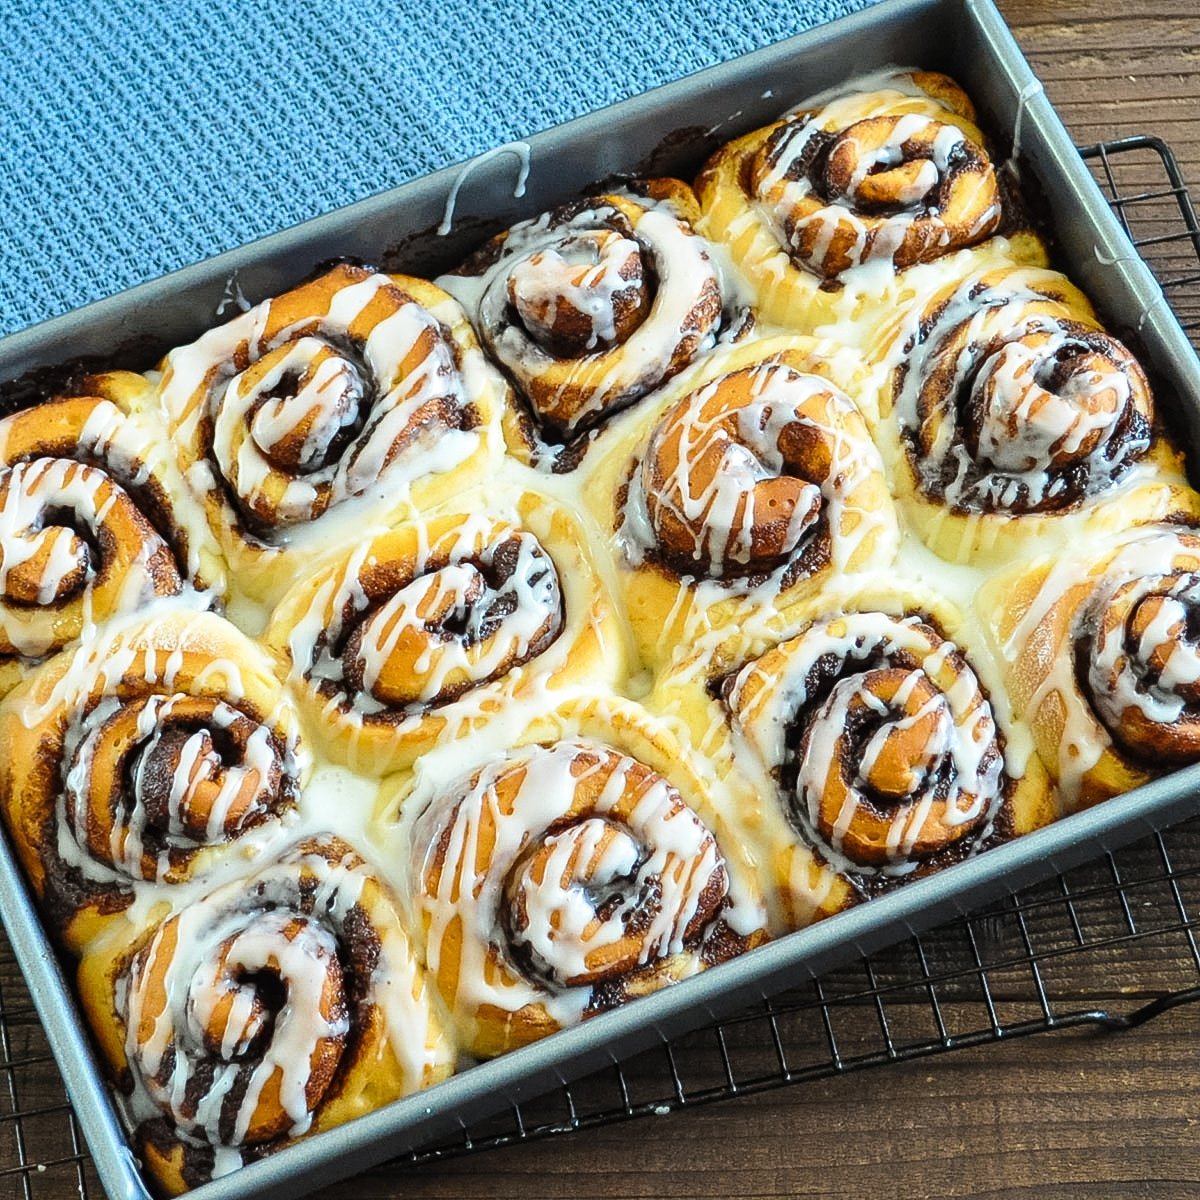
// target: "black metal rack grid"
[[1111, 944]]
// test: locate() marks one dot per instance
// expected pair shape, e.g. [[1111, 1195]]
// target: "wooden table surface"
[[1056, 1115]]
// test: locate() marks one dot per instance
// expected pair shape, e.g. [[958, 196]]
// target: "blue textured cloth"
[[137, 136]]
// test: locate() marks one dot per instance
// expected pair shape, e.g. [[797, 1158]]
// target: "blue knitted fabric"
[[140, 135]]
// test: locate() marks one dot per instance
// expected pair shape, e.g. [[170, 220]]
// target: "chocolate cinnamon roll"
[[592, 306], [141, 761], [273, 1007], [94, 521], [885, 747], [356, 396], [883, 743], [862, 740]]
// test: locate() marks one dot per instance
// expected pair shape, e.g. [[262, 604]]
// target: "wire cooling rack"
[[1111, 944]]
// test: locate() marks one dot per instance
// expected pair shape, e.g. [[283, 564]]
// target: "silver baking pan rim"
[[969, 39]]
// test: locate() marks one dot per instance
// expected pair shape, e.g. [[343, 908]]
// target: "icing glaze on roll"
[[559, 880], [882, 740], [1011, 399], [592, 306], [424, 633], [859, 179], [143, 759], [343, 399], [94, 521], [751, 473], [1104, 658], [256, 1013]]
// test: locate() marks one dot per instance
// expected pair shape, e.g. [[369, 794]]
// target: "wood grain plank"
[[1103, 1120]]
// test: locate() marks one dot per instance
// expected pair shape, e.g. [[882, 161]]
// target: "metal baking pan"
[[399, 229]]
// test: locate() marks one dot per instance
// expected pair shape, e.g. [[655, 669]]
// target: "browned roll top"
[[877, 176], [1010, 398], [593, 305]]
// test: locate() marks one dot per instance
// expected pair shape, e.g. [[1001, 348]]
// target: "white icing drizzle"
[[442, 629], [929, 174], [956, 780], [392, 404], [520, 150], [216, 771], [232, 297], [1121, 676], [635, 839], [67, 564], [1149, 562], [1027, 93], [534, 254], [723, 515], [76, 546], [990, 357], [193, 999], [207, 800]]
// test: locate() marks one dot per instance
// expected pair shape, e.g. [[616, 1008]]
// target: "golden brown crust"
[[94, 520], [859, 732], [135, 762], [424, 633], [592, 306], [1101, 658], [1007, 409], [582, 868], [357, 395], [893, 173], [273, 1007], [750, 482]]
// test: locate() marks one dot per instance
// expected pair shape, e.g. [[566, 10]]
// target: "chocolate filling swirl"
[[881, 737], [1010, 402], [894, 185]]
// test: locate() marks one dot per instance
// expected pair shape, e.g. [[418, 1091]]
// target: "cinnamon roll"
[[275, 1006], [1102, 659], [592, 306], [568, 875], [887, 173], [430, 630], [751, 483], [141, 760], [355, 397], [1007, 408], [94, 521], [868, 748]]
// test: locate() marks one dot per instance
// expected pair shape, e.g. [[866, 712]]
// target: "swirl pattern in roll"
[[94, 521], [592, 306], [425, 632], [882, 741], [1103, 659], [891, 173], [1008, 399], [558, 881], [273, 1007], [356, 395], [138, 761], [756, 482]]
